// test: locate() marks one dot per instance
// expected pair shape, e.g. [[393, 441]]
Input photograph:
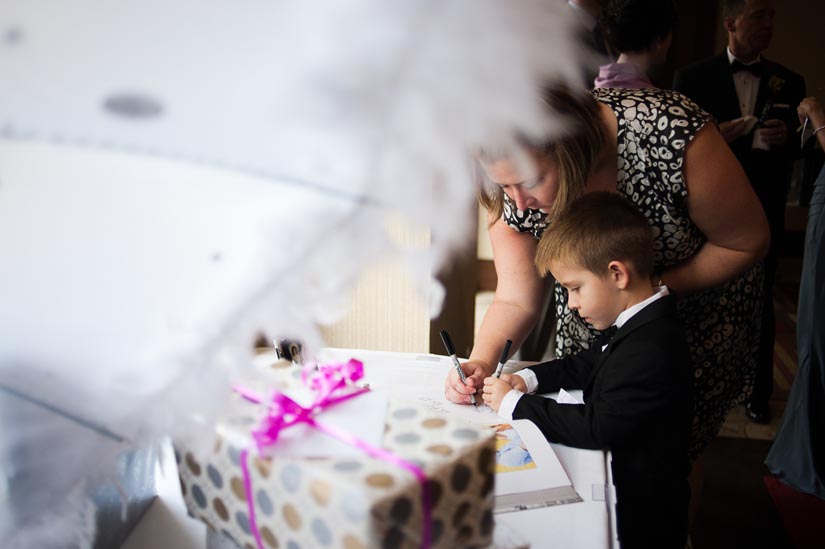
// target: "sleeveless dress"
[[721, 323], [797, 456]]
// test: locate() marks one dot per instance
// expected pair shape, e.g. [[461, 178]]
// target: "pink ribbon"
[[333, 384]]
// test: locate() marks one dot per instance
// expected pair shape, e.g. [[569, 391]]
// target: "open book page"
[[528, 473], [420, 378], [506, 537]]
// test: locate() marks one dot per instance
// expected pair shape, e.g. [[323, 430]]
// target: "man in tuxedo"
[[737, 86]]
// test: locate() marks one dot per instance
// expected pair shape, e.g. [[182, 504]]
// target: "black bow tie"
[[608, 334], [753, 68]]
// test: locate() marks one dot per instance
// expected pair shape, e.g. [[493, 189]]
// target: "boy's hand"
[[495, 389], [516, 382]]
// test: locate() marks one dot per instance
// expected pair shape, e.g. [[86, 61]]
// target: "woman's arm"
[[721, 202], [519, 292], [513, 312]]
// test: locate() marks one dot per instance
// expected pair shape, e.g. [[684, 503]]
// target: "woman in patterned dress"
[[656, 148]]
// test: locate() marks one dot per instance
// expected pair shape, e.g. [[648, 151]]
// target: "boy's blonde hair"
[[596, 229]]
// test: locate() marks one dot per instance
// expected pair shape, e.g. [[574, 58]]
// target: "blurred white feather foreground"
[[177, 175]]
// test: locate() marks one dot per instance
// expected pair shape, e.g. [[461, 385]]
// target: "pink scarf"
[[621, 75]]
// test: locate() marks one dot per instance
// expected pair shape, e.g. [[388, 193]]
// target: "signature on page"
[[443, 408], [434, 405]]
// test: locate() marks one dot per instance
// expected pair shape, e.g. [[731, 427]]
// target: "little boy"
[[636, 385]]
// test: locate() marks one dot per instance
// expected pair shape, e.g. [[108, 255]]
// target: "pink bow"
[[283, 412]]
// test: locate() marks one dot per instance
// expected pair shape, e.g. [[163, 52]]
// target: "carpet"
[[736, 509], [803, 515], [785, 299]]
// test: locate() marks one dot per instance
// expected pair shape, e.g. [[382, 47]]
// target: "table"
[[586, 525]]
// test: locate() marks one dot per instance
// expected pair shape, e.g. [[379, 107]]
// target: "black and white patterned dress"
[[722, 323]]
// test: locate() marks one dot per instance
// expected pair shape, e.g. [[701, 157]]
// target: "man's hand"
[[458, 392], [495, 389], [733, 129], [774, 132]]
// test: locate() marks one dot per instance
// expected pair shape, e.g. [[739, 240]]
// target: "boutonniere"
[[775, 83]]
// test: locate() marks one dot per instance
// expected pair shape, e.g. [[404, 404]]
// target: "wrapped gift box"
[[352, 501]]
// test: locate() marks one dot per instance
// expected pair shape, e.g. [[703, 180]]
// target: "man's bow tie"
[[753, 68]]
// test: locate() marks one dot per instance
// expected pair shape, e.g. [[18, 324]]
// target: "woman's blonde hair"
[[574, 153]]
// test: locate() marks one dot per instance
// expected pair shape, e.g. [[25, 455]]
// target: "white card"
[[566, 398], [362, 417]]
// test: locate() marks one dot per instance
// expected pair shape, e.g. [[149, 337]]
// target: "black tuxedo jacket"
[[637, 396], [710, 84]]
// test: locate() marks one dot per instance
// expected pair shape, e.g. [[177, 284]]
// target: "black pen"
[[504, 352], [448, 343]]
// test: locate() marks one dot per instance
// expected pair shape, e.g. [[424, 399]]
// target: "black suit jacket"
[[638, 404], [710, 84]]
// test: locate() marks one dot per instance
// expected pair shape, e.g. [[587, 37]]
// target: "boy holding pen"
[[636, 382]]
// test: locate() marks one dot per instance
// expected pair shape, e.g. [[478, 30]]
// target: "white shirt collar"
[[628, 313], [732, 58]]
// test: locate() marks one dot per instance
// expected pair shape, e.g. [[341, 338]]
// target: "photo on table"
[[511, 451]]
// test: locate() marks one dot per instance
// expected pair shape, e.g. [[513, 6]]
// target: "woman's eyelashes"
[[529, 185]]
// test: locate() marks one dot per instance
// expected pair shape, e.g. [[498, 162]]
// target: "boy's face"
[[596, 298]]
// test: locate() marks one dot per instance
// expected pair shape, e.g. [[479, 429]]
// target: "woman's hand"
[[496, 388], [512, 314], [810, 108], [457, 391]]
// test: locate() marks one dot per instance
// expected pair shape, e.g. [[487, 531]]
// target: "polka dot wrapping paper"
[[353, 502]]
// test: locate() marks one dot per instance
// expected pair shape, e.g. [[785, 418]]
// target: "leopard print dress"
[[722, 323]]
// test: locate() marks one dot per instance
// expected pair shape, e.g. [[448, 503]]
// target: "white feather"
[[284, 136]]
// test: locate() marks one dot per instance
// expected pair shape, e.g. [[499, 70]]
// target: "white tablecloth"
[[585, 525]]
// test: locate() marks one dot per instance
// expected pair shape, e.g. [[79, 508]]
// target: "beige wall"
[[390, 314]]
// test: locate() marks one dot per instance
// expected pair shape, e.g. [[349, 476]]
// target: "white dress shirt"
[[508, 403], [747, 86]]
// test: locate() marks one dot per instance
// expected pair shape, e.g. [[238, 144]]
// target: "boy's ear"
[[619, 274]]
